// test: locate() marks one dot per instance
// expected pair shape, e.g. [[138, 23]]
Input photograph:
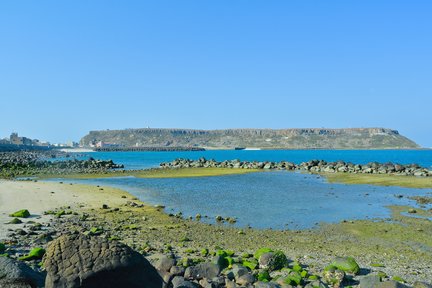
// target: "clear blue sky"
[[67, 67]]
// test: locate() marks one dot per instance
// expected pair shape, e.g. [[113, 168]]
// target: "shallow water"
[[139, 160], [277, 200]]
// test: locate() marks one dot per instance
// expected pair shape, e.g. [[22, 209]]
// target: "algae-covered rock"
[[333, 276], [294, 278], [346, 264], [34, 254], [15, 221], [264, 276], [273, 260], [261, 251], [24, 213], [251, 264], [2, 248]]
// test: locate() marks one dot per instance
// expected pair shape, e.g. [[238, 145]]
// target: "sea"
[[267, 200]]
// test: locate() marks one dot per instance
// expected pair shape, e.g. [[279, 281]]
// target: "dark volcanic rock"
[[14, 274], [81, 261]]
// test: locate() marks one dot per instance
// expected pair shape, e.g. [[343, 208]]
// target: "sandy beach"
[[38, 197]]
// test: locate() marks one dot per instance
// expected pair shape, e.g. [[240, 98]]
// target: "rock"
[[346, 264], [203, 270], [15, 274], [272, 260], [334, 277], [260, 284], [165, 263], [261, 251], [391, 284], [180, 282], [422, 285], [78, 260], [370, 281], [177, 270], [245, 279], [239, 270], [24, 213], [316, 284], [15, 221]]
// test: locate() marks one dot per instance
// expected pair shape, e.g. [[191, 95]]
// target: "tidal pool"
[[277, 200]]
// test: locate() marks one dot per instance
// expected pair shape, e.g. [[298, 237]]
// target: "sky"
[[68, 67]]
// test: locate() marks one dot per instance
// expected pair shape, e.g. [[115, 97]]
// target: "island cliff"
[[315, 138]]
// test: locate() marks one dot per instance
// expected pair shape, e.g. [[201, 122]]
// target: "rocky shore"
[[314, 166], [119, 241], [31, 163]]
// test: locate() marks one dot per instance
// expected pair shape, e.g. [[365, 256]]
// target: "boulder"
[[203, 270], [346, 264], [165, 263], [180, 282], [15, 274], [272, 260], [78, 260], [391, 284], [370, 281]]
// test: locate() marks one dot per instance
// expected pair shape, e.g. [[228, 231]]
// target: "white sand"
[[37, 198]]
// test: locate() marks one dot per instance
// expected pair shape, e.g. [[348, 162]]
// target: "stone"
[[316, 284], [391, 284], [177, 270], [272, 260], [203, 270], [334, 277], [24, 213], [180, 282], [260, 284], [370, 281], [165, 263], [245, 279], [346, 264], [15, 274], [82, 261]]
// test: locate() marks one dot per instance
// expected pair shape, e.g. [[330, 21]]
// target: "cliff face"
[[353, 138]]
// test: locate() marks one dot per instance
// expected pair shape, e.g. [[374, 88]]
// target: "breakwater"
[[31, 163], [314, 166]]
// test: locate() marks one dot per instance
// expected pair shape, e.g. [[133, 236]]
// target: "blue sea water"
[[139, 160], [277, 199]]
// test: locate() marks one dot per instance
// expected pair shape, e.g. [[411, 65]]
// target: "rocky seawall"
[[316, 138], [315, 166], [31, 163]]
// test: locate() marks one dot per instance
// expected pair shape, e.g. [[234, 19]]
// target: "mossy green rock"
[[261, 251], [346, 264], [15, 221], [34, 254], [251, 264], [264, 276], [294, 278], [24, 213], [2, 248]]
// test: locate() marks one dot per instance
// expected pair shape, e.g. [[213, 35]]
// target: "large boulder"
[[14, 274], [82, 261]]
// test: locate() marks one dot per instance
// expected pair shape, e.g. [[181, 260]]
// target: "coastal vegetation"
[[380, 179]]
